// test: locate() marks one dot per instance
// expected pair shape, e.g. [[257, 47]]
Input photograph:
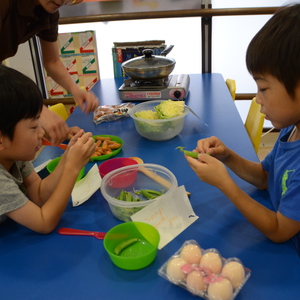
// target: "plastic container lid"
[[148, 61]]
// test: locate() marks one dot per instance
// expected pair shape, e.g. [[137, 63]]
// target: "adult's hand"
[[73, 131], [56, 129], [87, 101]]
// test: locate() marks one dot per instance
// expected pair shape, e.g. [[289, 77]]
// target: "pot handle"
[[148, 53], [167, 50]]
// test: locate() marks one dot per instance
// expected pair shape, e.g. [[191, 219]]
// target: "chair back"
[[232, 87], [254, 124], [60, 109]]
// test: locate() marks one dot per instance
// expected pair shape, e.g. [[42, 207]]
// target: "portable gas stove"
[[174, 87]]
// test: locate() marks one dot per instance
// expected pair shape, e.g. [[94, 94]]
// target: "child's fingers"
[[77, 135]]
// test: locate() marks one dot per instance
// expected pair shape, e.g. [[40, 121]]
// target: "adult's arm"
[[56, 69]]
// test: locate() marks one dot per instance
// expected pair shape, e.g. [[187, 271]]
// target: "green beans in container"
[[124, 202]]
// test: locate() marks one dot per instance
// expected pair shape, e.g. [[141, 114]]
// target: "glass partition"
[[175, 31], [249, 3], [95, 7]]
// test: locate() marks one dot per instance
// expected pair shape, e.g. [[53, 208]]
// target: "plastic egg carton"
[[205, 273]]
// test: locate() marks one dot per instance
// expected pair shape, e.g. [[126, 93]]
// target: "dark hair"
[[20, 98], [275, 49]]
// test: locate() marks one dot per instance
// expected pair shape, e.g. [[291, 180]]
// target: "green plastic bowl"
[[53, 163], [137, 255]]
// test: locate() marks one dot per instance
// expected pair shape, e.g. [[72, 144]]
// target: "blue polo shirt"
[[283, 166]]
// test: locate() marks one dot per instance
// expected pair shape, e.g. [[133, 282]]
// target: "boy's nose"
[[41, 131], [257, 99]]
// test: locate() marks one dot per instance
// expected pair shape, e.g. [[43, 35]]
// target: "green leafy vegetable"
[[147, 115], [165, 110], [125, 213], [170, 109]]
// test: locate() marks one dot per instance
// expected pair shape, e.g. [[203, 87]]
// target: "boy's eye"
[[262, 89], [35, 125]]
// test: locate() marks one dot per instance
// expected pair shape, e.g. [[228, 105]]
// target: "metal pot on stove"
[[149, 66]]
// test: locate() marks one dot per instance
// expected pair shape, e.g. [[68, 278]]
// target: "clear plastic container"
[[157, 130], [205, 273], [148, 177]]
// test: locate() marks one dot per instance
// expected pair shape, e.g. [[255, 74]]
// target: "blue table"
[[35, 266]]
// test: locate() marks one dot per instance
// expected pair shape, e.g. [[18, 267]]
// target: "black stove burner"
[[161, 82]]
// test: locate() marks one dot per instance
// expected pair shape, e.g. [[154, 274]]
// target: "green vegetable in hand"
[[189, 153], [124, 245]]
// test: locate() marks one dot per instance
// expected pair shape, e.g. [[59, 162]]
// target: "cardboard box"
[[124, 51]]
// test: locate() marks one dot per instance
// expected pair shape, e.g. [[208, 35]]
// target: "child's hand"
[[209, 169], [214, 147], [75, 137], [80, 149]]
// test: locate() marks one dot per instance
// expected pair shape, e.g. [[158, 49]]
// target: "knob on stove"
[[177, 94]]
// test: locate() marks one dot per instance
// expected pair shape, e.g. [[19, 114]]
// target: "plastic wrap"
[[108, 113]]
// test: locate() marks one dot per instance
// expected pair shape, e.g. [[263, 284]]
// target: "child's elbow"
[[262, 187], [278, 239], [46, 229], [262, 184]]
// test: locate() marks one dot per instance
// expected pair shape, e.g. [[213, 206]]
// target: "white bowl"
[[157, 130], [123, 210]]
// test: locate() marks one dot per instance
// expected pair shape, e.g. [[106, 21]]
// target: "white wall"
[[22, 61]]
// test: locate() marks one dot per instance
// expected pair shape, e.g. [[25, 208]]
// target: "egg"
[[234, 272], [174, 269], [212, 261], [191, 253], [220, 290], [195, 282]]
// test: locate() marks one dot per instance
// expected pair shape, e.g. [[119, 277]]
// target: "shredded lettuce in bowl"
[[170, 109], [165, 110]]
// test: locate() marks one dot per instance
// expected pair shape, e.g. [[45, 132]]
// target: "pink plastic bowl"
[[122, 180]]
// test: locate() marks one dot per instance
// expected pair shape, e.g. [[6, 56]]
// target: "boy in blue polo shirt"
[[273, 59]]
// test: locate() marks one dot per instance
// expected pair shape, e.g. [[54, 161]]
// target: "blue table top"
[[35, 266]]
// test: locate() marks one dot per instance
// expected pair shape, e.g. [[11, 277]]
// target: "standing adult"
[[21, 20]]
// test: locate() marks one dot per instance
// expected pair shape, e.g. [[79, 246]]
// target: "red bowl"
[[122, 180]]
